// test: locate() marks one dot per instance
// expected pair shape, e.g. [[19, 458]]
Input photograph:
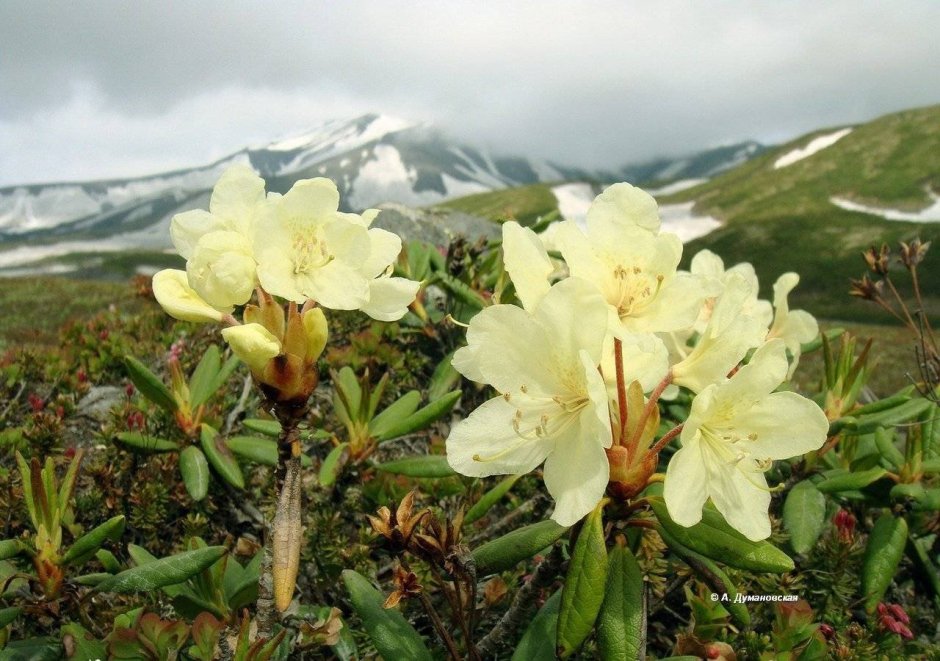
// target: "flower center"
[[634, 289], [309, 249]]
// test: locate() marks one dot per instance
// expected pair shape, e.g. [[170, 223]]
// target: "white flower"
[[254, 344], [221, 269], [527, 263], [710, 268], [552, 402], [177, 298], [729, 334], [794, 327], [234, 206], [306, 249], [734, 432], [633, 266]]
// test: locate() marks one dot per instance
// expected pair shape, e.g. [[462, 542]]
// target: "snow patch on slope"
[[930, 214], [679, 220], [815, 145], [675, 187], [574, 200]]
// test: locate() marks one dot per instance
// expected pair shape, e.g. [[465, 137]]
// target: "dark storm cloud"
[[112, 88]]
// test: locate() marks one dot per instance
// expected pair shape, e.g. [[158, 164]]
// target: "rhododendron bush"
[[560, 443]]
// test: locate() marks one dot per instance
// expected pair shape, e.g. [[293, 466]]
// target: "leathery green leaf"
[[538, 641], [505, 552], [804, 515], [882, 555], [421, 418], [165, 571], [583, 593], [220, 457], [714, 538], [91, 541], [390, 632], [430, 465], [490, 498], [621, 624], [195, 471], [714, 577], [259, 450], [150, 385]]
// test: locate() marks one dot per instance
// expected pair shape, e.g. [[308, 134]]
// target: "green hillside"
[[524, 204], [782, 219]]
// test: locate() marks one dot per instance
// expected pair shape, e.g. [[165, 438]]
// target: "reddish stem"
[[648, 410], [668, 436], [621, 390]]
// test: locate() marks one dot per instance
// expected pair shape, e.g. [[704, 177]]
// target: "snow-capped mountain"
[[373, 159]]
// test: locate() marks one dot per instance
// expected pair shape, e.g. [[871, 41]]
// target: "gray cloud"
[[116, 88]]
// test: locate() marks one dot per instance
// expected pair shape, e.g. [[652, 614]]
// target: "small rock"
[[99, 401]]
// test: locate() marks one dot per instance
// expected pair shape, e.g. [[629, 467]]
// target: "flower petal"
[[236, 198], [785, 425], [685, 488], [739, 491], [173, 293], [188, 227], [254, 344], [576, 473], [389, 298], [384, 248], [486, 443], [622, 204], [336, 285], [527, 263], [311, 198], [574, 317]]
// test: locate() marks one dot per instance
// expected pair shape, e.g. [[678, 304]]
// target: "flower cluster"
[[297, 246], [580, 366]]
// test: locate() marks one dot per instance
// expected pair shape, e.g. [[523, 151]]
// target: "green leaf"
[[195, 471], [490, 498], [259, 450], [884, 440], [396, 412], [538, 641], [461, 291], [444, 379], [7, 615], [91, 580], [882, 555], [930, 502], [45, 648], [86, 545], [10, 548], [83, 644], [266, 427], [351, 392], [849, 481], [621, 624], [429, 465], [583, 592], [220, 457], [165, 571], [512, 548], [150, 385], [715, 539], [893, 416], [139, 441], [202, 382], [815, 344], [804, 515], [421, 418], [329, 469], [108, 561], [388, 629], [714, 577]]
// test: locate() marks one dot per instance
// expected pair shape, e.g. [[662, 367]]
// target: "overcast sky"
[[99, 89]]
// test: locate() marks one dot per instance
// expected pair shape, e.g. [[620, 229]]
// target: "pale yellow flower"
[[552, 402], [734, 432]]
